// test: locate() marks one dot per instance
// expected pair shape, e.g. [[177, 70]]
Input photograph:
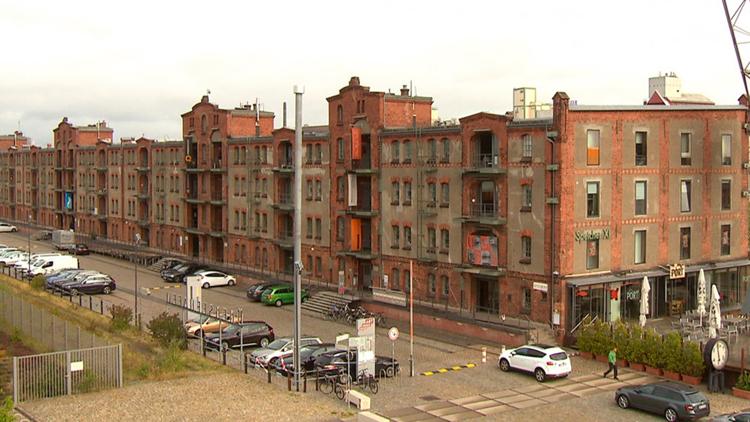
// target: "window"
[[318, 190], [446, 151], [726, 150], [318, 228], [445, 237], [431, 151], [318, 154], [526, 308], [318, 265], [407, 152], [592, 199], [341, 188], [726, 234], [526, 200], [684, 242], [407, 237], [395, 238], [309, 153], [407, 193], [431, 194], [309, 190], [525, 249], [639, 241], [641, 158], [685, 188], [339, 115], [431, 283], [685, 140], [446, 285], [592, 254], [309, 268], [592, 152], [309, 227], [526, 146], [726, 195], [395, 152], [445, 194], [395, 193], [340, 229], [395, 279], [640, 197], [407, 280], [431, 240], [340, 149]]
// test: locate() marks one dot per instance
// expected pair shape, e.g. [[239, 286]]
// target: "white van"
[[52, 264]]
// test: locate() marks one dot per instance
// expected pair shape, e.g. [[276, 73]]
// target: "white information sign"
[[76, 366], [393, 334], [193, 295]]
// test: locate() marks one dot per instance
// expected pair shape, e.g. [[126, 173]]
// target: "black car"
[[101, 283], [56, 283], [79, 249], [180, 272], [168, 263], [246, 334], [346, 361], [255, 291], [674, 400], [308, 355]]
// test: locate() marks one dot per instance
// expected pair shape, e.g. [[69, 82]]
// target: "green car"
[[281, 294]]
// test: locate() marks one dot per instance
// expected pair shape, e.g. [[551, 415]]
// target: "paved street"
[[481, 391]]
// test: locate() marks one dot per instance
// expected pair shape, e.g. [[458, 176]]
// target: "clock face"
[[719, 354]]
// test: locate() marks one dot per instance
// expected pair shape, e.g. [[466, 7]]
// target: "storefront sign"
[[677, 271], [633, 294], [591, 235], [542, 287]]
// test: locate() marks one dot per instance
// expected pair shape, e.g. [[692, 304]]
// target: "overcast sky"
[[139, 65]]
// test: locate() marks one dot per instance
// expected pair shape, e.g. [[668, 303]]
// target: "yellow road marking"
[[450, 369]]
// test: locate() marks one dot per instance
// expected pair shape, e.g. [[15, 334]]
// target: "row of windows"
[[431, 194], [593, 147], [431, 239], [317, 268], [430, 156], [400, 278], [641, 197], [318, 228], [639, 246], [314, 189], [261, 222]]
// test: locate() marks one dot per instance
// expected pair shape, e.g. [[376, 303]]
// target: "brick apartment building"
[[553, 217]]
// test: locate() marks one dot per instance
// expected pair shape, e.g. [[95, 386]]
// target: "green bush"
[[171, 360], [671, 350], [16, 336], [693, 360], [651, 349], [122, 316], [168, 330], [585, 339], [743, 382], [38, 282], [634, 351], [621, 338], [602, 340], [6, 411]]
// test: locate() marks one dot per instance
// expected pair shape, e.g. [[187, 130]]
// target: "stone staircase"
[[322, 302], [157, 266]]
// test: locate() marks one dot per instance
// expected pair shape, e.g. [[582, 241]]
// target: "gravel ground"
[[216, 397]]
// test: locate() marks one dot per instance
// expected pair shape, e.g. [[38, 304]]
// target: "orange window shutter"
[[356, 234], [593, 156], [356, 143]]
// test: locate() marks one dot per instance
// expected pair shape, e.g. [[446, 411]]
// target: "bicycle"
[[332, 383], [368, 381]]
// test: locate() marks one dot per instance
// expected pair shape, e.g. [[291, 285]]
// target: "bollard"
[[223, 356], [484, 355], [244, 363], [90, 301], [80, 299], [101, 307], [317, 379], [269, 376], [304, 382], [288, 381]]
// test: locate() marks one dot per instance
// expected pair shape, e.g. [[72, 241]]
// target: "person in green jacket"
[[612, 359]]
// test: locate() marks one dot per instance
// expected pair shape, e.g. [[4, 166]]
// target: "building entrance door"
[[487, 295]]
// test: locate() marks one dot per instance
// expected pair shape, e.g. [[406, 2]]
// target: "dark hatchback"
[[79, 249], [246, 334], [343, 361], [673, 400], [90, 285], [255, 291], [308, 355], [177, 274]]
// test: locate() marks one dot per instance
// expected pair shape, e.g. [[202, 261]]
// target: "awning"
[[717, 265]]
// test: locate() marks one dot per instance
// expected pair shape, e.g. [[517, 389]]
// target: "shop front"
[[614, 297]]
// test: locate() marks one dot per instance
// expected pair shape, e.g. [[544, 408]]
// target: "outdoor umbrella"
[[645, 289], [714, 313], [701, 295]]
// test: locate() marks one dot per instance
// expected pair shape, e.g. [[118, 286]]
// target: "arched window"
[[204, 124]]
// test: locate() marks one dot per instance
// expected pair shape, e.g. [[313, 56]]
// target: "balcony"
[[192, 167], [218, 233], [144, 222], [359, 254], [194, 230], [143, 167], [101, 191], [217, 199], [285, 166], [485, 164], [143, 194], [102, 216], [361, 212], [483, 214], [192, 198], [482, 270], [285, 239], [285, 202], [216, 167]]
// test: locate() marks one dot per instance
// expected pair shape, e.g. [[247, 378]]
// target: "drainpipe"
[[553, 273]]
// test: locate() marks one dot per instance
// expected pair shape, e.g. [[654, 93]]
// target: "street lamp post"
[[28, 239], [135, 294]]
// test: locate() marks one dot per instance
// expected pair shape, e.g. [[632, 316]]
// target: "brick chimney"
[[404, 91]]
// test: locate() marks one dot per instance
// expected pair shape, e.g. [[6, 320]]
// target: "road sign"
[[393, 334]]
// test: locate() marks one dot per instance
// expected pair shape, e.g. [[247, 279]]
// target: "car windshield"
[[558, 356], [278, 344], [231, 329], [179, 267], [200, 319]]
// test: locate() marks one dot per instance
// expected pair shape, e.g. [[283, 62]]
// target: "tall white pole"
[[298, 91], [411, 318]]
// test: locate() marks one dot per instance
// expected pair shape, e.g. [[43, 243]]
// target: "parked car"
[[255, 291], [253, 333], [211, 278], [732, 417], [101, 283], [345, 361], [208, 326], [674, 400], [79, 249], [539, 359], [278, 347], [11, 257], [57, 283], [308, 354], [178, 273], [44, 235], [168, 263], [5, 227], [281, 294], [23, 265], [52, 264]]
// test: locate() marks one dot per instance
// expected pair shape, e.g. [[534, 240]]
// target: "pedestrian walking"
[[612, 359]]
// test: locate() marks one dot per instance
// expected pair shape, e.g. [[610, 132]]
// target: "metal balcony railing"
[[484, 210], [485, 161]]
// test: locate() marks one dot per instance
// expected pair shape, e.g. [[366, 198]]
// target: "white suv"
[[541, 360], [5, 227]]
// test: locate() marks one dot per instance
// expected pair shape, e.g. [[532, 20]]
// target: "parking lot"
[[466, 386]]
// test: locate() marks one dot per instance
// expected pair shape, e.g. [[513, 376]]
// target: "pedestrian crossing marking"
[[450, 369]]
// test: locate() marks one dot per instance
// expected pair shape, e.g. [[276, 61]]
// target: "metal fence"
[[66, 373], [46, 329]]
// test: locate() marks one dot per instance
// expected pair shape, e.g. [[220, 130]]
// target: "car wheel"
[[206, 285], [539, 374], [263, 342], [389, 372], [670, 415], [197, 333], [504, 365], [232, 282], [623, 402], [279, 303], [14, 230], [106, 290]]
